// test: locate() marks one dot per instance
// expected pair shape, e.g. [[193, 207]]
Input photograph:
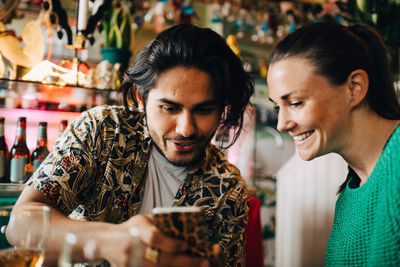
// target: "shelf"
[[45, 102], [5, 80], [33, 117], [35, 95], [10, 190]]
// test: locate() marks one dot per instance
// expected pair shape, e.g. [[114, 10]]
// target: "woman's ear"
[[358, 83], [139, 98]]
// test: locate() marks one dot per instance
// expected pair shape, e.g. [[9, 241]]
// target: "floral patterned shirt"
[[97, 168]]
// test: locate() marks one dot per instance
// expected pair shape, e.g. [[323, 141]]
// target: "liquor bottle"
[[41, 151], [19, 155], [4, 155], [63, 126]]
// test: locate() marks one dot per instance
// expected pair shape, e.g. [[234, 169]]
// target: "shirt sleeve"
[[233, 223], [66, 176]]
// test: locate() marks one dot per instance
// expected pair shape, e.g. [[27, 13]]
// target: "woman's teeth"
[[302, 137]]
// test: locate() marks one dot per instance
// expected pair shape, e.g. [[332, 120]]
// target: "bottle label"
[[2, 165], [21, 131], [17, 170], [36, 164]]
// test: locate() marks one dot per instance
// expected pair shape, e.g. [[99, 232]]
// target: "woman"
[[333, 91]]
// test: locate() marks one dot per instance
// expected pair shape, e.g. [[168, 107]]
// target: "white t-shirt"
[[162, 182]]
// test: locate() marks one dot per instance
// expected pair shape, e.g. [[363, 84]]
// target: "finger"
[[152, 236], [218, 256], [180, 260], [156, 257]]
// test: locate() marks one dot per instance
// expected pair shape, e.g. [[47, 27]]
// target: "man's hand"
[[157, 248], [217, 256]]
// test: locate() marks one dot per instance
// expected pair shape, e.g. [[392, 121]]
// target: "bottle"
[[41, 151], [63, 126], [4, 155], [20, 157]]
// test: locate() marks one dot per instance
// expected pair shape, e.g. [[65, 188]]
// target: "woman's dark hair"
[[187, 45], [336, 51]]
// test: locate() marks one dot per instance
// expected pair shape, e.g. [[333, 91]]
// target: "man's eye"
[[169, 109], [205, 110], [276, 108]]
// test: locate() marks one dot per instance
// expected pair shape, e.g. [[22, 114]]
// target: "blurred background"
[[61, 57]]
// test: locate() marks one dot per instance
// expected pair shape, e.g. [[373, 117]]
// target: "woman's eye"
[[276, 108], [296, 104]]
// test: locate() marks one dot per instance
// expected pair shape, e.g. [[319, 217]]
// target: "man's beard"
[[197, 158], [179, 163]]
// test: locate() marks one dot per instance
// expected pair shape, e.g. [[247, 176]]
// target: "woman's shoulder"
[[392, 148], [391, 161]]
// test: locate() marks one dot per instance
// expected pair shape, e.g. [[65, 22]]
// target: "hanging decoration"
[[187, 13], [53, 12]]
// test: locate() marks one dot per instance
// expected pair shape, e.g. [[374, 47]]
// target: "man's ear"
[[139, 98], [358, 83]]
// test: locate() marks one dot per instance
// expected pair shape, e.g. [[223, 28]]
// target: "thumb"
[[217, 259]]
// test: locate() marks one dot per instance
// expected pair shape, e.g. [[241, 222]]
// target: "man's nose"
[[186, 124]]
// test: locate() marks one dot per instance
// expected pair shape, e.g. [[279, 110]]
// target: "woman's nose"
[[285, 123]]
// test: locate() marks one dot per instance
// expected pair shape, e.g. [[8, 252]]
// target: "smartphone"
[[185, 223]]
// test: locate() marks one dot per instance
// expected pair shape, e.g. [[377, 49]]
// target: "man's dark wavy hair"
[[187, 45]]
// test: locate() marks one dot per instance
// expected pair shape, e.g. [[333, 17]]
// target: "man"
[[114, 164]]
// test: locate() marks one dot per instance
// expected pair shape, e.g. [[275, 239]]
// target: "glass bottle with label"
[[20, 157], [4, 155], [41, 151]]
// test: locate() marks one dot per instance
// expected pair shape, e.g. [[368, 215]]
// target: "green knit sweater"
[[366, 229]]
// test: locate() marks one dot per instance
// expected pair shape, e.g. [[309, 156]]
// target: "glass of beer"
[[24, 245]]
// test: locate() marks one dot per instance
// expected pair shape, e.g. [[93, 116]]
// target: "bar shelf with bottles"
[[51, 97], [39, 102], [45, 102]]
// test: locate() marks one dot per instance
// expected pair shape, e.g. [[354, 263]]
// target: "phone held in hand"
[[185, 223]]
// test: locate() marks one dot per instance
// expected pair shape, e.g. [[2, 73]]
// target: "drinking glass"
[[69, 251], [28, 243]]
